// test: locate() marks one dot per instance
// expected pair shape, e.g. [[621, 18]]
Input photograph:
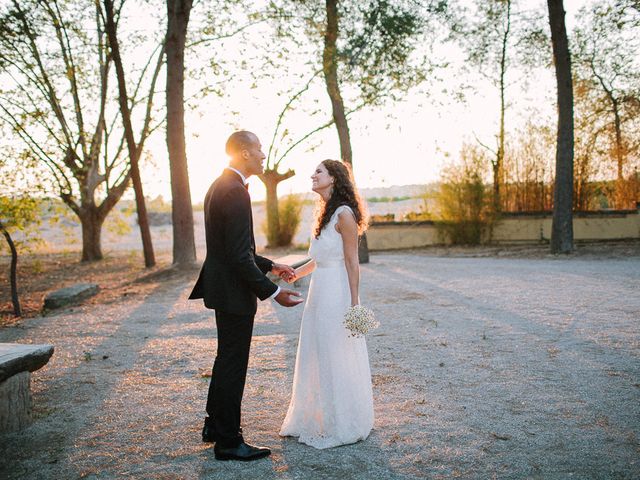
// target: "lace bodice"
[[327, 250]]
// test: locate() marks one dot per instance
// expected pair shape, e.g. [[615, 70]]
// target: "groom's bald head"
[[240, 140]]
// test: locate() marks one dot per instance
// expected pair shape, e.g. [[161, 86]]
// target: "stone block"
[[70, 295], [15, 402], [17, 357]]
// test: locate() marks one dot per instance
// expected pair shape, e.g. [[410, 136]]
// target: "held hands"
[[288, 298], [285, 272]]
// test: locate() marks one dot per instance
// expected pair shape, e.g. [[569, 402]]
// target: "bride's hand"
[[285, 272], [288, 277]]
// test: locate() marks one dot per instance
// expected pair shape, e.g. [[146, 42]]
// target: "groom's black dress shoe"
[[243, 452]]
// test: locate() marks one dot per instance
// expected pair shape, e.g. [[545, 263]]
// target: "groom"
[[232, 276]]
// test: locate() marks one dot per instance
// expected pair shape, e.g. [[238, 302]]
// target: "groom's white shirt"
[[244, 181]]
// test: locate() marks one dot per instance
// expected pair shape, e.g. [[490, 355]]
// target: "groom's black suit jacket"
[[232, 275]]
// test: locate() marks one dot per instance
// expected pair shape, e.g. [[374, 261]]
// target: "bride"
[[331, 400]]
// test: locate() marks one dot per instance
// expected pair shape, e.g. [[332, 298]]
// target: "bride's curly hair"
[[344, 192]]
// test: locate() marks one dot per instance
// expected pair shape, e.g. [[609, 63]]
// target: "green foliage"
[[117, 222], [381, 43], [380, 38], [417, 216], [387, 199], [158, 205], [20, 214], [290, 213], [464, 201], [17, 213]]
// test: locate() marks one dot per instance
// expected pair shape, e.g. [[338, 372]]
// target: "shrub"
[[388, 217], [416, 216], [290, 214], [463, 200]]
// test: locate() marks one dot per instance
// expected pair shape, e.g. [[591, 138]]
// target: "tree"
[[366, 47], [629, 11], [607, 74], [184, 247], [57, 99], [462, 200], [271, 177], [134, 149], [496, 36], [485, 33], [19, 210], [330, 71], [16, 213], [562, 224], [528, 169]]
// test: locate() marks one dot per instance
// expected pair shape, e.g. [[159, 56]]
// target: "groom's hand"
[[285, 272], [288, 298]]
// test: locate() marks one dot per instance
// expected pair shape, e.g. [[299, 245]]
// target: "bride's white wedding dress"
[[331, 400]]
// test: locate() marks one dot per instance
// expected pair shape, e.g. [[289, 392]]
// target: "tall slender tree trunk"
[[620, 148], [184, 247], [562, 226], [498, 167], [13, 272], [134, 151], [330, 70]]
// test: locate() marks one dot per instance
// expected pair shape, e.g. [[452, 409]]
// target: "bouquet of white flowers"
[[360, 320]]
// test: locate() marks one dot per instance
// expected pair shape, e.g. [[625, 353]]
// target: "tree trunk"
[[496, 183], [184, 247], [134, 151], [498, 169], [330, 69], [273, 216], [91, 223], [562, 226], [620, 149], [622, 195], [13, 273]]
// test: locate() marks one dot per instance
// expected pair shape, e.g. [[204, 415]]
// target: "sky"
[[400, 143], [396, 144]]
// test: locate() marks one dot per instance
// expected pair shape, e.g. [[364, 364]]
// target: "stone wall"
[[511, 229]]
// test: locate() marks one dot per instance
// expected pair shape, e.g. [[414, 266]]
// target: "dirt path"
[[483, 367]]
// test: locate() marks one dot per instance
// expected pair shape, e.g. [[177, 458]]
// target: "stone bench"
[[17, 361], [70, 295]]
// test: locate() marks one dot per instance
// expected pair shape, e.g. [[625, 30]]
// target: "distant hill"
[[387, 194], [398, 191]]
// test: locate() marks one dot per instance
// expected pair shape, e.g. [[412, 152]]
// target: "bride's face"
[[321, 181]]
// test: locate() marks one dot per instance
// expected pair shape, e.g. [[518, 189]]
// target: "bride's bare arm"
[[305, 269], [348, 229]]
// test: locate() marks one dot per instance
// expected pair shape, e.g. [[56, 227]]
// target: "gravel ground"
[[483, 368]]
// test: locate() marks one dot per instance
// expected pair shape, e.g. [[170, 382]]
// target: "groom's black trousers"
[[228, 377]]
